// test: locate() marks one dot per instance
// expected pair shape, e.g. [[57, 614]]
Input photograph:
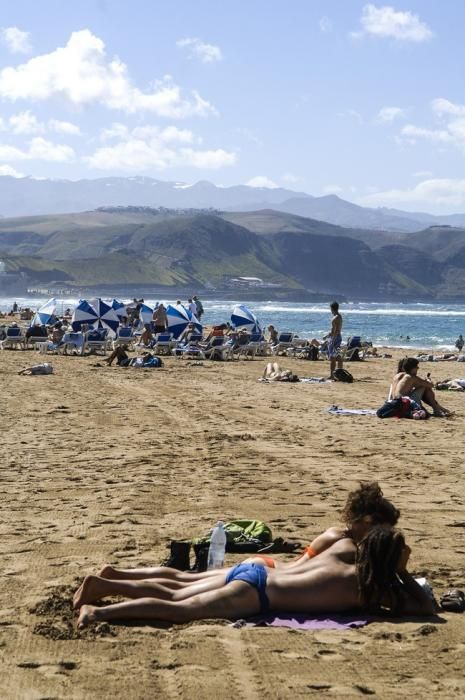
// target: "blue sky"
[[365, 100]]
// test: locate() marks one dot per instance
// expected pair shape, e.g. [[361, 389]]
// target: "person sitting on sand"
[[371, 576], [451, 385], [275, 373], [366, 507], [407, 383]]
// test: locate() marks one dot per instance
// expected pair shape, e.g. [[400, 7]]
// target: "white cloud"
[[386, 22], [16, 40], [333, 189], [433, 192], [440, 106], [61, 127], [423, 173], [38, 149], [262, 181], [413, 133], [290, 178], [389, 114], [151, 147], [325, 25], [81, 73], [10, 171], [207, 53], [25, 123]]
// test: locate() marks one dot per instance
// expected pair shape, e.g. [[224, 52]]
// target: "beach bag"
[[342, 375], [242, 536], [153, 362], [404, 407]]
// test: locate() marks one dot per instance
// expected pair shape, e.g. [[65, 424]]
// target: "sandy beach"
[[106, 465]]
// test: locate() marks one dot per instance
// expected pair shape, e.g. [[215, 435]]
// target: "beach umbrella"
[[119, 308], [106, 317], [178, 319], [243, 317], [146, 313], [45, 314], [83, 313]]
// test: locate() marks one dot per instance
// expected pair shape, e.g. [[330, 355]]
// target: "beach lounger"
[[257, 345], [219, 348], [190, 349], [73, 342], [124, 337], [14, 338], [34, 340], [284, 342], [164, 343], [355, 349], [96, 340]]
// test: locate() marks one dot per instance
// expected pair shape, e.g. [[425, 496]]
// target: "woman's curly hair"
[[368, 499]]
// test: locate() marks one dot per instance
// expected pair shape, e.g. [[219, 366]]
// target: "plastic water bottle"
[[217, 547]]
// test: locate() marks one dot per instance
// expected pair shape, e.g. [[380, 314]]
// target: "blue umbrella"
[[84, 313], [146, 313], [119, 308], [106, 317], [45, 315], [178, 319], [243, 317]]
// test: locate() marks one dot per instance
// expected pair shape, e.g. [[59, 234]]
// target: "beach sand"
[[108, 464]]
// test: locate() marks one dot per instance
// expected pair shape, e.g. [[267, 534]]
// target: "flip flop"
[[453, 600]]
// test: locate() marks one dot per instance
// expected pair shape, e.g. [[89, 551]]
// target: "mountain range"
[[30, 196], [203, 249]]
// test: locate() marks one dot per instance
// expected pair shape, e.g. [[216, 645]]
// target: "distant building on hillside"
[[249, 282]]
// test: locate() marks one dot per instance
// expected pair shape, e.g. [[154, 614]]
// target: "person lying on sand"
[[407, 383], [123, 359], [370, 576], [275, 373], [451, 385], [365, 508]]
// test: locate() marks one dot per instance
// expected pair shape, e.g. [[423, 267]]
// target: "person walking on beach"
[[459, 343], [334, 339], [198, 306]]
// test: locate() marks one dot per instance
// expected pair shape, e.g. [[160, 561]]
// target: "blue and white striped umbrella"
[[243, 317], [84, 313], [106, 317], [45, 314], [178, 319], [146, 313], [119, 308]]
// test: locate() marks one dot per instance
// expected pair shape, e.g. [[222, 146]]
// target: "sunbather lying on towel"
[[365, 508], [451, 385], [407, 383], [123, 359], [274, 373], [371, 576]]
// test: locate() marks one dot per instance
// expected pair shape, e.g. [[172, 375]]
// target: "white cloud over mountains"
[[37, 148], [27, 123], [81, 73], [147, 147], [15, 39], [262, 181], [196, 48], [439, 192], [387, 23], [451, 128]]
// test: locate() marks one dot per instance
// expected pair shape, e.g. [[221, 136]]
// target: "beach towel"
[[303, 621], [337, 411], [303, 380]]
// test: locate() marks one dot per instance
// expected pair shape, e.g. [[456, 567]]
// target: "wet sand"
[[108, 464]]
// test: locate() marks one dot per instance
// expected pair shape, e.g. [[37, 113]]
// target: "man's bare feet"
[[86, 616], [89, 591]]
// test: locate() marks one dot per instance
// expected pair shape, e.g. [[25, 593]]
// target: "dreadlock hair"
[[377, 560], [368, 499], [407, 364]]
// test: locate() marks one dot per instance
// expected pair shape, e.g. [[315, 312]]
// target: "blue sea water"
[[427, 325]]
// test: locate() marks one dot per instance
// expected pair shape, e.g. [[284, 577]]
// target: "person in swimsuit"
[[407, 383], [273, 372], [370, 576], [365, 508], [451, 384], [334, 340]]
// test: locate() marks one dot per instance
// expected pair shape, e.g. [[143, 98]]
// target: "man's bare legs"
[[333, 362], [237, 599], [430, 399]]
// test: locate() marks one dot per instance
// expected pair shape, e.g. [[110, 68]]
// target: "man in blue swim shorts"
[[334, 339], [371, 576]]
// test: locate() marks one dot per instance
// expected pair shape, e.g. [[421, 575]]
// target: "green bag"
[[242, 534]]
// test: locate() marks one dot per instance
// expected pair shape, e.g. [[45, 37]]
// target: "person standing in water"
[[334, 339]]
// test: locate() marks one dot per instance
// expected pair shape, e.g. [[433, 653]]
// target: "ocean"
[[426, 325]]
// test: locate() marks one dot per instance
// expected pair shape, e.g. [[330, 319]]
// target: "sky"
[[363, 100]]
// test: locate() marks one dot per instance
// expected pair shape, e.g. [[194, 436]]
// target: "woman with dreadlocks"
[[370, 576]]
